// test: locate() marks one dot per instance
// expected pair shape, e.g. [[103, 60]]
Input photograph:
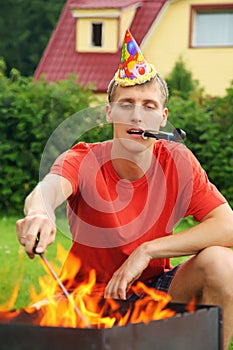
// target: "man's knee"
[[216, 257], [216, 263], [209, 271]]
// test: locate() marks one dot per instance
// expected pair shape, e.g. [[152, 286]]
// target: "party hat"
[[134, 68]]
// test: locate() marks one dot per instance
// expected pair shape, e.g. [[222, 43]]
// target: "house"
[[88, 38]]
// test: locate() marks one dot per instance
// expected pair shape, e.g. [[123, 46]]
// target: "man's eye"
[[126, 106], [149, 107]]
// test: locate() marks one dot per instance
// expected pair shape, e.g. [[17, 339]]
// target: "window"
[[211, 27], [96, 39]]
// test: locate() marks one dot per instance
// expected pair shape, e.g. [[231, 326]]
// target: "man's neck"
[[128, 165]]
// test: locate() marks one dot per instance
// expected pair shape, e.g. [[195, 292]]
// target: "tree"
[[180, 81], [25, 28]]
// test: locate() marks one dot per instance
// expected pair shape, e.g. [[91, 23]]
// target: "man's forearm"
[[215, 230], [38, 203], [47, 196]]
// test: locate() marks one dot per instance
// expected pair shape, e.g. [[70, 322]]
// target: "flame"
[[85, 307], [191, 306]]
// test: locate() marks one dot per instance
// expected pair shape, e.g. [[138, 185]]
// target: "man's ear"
[[164, 117], [108, 113]]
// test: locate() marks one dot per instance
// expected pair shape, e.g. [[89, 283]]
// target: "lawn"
[[18, 269]]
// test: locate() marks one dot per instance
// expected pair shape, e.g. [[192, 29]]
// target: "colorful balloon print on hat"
[[134, 68]]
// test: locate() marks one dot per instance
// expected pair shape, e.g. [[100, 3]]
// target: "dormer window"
[[101, 29], [97, 29]]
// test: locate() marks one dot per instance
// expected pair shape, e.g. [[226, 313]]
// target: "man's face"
[[136, 108]]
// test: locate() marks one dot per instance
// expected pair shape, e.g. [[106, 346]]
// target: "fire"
[[84, 307]]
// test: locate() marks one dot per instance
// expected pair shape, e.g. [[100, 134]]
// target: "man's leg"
[[208, 277]]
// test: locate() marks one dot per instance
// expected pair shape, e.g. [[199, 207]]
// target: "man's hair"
[[157, 79]]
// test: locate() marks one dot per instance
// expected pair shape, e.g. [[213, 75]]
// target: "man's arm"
[[216, 229], [39, 213]]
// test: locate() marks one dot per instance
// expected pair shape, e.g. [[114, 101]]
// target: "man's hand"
[[32, 226], [39, 209], [127, 274]]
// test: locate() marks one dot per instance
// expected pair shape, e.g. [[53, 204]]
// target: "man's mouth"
[[135, 131]]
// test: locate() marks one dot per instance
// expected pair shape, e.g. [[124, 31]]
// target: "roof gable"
[[61, 59]]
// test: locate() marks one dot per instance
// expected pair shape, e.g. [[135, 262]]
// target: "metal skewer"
[[61, 285]]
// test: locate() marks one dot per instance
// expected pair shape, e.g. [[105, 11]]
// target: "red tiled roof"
[[61, 59], [94, 4]]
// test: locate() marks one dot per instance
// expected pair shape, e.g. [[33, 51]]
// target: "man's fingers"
[[21, 231], [121, 293], [35, 233], [45, 238], [116, 289]]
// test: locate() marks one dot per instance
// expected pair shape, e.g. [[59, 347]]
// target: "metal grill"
[[200, 330]]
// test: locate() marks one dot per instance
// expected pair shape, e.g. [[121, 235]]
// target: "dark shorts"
[[161, 283]]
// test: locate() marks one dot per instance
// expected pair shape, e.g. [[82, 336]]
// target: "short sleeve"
[[68, 164]]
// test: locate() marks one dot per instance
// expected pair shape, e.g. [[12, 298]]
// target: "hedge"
[[30, 111], [208, 138]]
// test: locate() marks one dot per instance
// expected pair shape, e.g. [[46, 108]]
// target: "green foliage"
[[218, 151], [25, 28], [208, 124], [180, 81], [209, 135], [30, 111]]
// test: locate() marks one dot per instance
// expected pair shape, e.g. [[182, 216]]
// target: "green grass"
[[17, 269]]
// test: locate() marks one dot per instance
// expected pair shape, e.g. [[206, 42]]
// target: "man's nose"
[[136, 115]]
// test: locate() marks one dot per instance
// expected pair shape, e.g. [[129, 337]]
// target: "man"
[[126, 195]]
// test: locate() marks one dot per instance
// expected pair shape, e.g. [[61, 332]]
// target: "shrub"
[[181, 83], [30, 111], [209, 135]]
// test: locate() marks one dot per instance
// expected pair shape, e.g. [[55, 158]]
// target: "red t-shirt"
[[109, 216]]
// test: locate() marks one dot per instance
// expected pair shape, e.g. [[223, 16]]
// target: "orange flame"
[[51, 308], [191, 306]]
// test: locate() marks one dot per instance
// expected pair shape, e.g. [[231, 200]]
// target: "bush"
[[181, 83], [209, 135], [208, 123], [218, 147], [30, 111]]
